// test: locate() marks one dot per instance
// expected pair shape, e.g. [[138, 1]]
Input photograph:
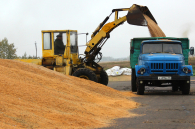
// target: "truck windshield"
[[162, 48]]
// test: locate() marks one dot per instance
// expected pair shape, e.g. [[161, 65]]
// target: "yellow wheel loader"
[[60, 48]]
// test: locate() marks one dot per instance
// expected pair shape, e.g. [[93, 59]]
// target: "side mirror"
[[132, 50], [191, 50]]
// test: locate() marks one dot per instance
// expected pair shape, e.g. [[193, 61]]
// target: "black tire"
[[186, 88], [175, 86], [104, 78], [133, 81], [86, 74], [140, 88]]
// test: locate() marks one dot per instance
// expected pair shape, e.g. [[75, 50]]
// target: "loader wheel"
[[85, 74], [103, 78], [133, 81]]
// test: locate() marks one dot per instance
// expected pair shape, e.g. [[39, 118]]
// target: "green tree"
[[7, 51], [30, 57], [24, 56]]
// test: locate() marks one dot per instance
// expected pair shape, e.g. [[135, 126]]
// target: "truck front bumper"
[[156, 77]]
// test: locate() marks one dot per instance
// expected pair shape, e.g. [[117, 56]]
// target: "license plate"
[[164, 77]]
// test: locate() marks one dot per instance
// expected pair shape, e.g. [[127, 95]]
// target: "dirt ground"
[[160, 108], [122, 64], [108, 65], [120, 78]]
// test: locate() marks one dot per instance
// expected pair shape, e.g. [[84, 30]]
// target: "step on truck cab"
[[160, 62]]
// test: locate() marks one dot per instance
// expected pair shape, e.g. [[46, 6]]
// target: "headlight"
[[141, 71], [185, 70]]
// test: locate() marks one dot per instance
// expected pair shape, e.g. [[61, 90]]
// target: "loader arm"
[[102, 32], [99, 37]]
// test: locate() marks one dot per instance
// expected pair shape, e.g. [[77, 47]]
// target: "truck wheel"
[[86, 74], [175, 87], [104, 78], [133, 81], [140, 88], [186, 88]]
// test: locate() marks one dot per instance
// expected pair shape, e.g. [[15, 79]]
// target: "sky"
[[21, 22]]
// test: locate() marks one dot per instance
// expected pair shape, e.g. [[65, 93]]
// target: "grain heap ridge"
[[32, 96]]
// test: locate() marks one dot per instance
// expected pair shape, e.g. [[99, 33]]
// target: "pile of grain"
[[32, 96], [154, 29]]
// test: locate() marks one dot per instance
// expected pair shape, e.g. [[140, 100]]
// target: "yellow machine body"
[[64, 58], [61, 62]]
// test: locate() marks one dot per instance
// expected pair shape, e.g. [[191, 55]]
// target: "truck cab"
[[162, 63]]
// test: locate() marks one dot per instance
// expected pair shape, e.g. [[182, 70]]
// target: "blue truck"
[[160, 62]]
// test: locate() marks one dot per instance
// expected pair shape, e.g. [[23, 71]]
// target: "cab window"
[[47, 41], [59, 43], [73, 42]]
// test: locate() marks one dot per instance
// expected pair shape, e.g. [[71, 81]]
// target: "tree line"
[[8, 51]]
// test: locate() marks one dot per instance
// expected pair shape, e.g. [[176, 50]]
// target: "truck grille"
[[157, 67], [164, 67], [171, 67]]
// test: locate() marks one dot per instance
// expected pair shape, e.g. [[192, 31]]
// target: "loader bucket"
[[135, 15]]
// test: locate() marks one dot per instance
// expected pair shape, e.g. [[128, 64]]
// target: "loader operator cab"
[[59, 42]]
